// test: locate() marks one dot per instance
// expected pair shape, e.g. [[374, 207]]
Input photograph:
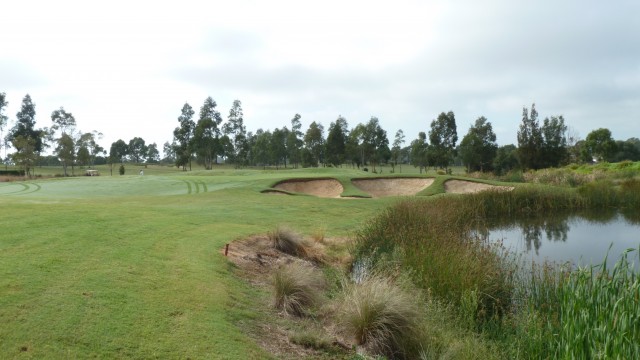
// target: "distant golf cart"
[[92, 173]]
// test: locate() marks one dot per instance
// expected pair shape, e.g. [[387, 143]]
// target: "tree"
[[442, 138], [554, 150], [63, 120], [336, 142], [419, 152], [627, 150], [153, 155], [375, 141], [261, 148], [88, 148], [27, 140], [294, 141], [396, 150], [119, 151], [599, 145], [530, 140], [183, 135], [314, 145], [234, 128], [506, 159], [278, 146], [169, 152], [207, 134], [137, 149], [3, 117], [478, 148], [66, 151]]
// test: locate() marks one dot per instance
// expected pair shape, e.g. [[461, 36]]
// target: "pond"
[[580, 238]]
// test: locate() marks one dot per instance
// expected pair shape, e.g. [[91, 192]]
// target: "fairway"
[[130, 266]]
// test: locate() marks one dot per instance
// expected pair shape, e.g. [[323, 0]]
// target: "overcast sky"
[[126, 68]]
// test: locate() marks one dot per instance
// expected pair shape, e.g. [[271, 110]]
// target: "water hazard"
[[580, 238]]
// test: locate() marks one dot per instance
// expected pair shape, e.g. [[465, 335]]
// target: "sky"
[[126, 68]]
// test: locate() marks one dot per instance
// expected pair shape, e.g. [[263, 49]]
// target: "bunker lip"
[[320, 187], [469, 187], [392, 186]]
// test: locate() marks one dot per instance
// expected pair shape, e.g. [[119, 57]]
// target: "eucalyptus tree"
[[554, 149], [238, 144], [88, 148], [278, 146], [3, 118], [294, 141], [530, 139], [153, 155], [183, 136], [314, 145], [207, 134], [138, 149], [478, 147], [25, 138], [419, 152], [396, 150], [442, 138], [336, 142]]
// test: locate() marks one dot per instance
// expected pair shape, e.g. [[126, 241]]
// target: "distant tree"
[[396, 150], [260, 148], [169, 152], [66, 151], [25, 138], [627, 150], [375, 142], [63, 121], [207, 134], [573, 145], [278, 146], [443, 137], [314, 144], [336, 142], [419, 152], [554, 149], [530, 140], [478, 148], [294, 141], [88, 148], [506, 159], [183, 136], [234, 128], [153, 155], [119, 151], [354, 147], [3, 119], [599, 145], [137, 149]]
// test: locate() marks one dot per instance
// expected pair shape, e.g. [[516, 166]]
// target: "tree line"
[[207, 140]]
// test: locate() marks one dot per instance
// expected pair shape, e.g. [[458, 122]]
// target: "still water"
[[579, 238]]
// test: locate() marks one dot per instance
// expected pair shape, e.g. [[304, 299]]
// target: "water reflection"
[[579, 237]]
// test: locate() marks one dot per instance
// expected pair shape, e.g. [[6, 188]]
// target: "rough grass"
[[297, 288], [382, 317], [289, 242]]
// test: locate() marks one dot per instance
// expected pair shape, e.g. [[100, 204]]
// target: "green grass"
[[130, 266]]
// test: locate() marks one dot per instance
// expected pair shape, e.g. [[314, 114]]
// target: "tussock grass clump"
[[297, 288], [383, 317], [289, 242]]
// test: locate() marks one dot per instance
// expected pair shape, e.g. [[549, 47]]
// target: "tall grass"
[[382, 317], [547, 311], [297, 288]]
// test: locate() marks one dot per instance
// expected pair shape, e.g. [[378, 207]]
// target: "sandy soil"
[[329, 188], [468, 187], [392, 186]]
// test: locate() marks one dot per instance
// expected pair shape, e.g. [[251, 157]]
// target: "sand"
[[329, 188], [392, 186], [469, 187]]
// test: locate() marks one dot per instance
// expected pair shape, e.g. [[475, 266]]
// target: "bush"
[[383, 317], [288, 242], [121, 170], [297, 288]]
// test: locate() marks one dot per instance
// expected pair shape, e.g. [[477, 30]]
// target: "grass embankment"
[[545, 313]]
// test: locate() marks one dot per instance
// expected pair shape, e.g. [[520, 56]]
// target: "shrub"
[[121, 170], [288, 242], [297, 288], [382, 317]]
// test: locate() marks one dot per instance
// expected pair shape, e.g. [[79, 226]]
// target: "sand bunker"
[[330, 188], [392, 186], [469, 187]]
